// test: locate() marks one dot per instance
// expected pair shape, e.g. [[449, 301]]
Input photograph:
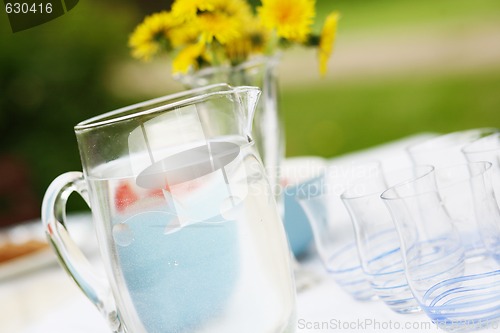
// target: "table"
[[47, 300]]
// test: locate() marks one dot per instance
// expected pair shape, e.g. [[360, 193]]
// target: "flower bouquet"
[[210, 33]]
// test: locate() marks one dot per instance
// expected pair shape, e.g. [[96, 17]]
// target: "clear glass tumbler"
[[488, 149], [457, 291], [334, 239], [445, 150], [377, 239]]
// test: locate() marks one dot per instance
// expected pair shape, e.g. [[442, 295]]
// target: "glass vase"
[[268, 129]]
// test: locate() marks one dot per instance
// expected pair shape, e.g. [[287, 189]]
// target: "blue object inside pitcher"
[[179, 257], [173, 280]]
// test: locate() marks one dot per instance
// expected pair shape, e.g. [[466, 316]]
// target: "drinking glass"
[[445, 150], [187, 225], [377, 239], [457, 291], [467, 196], [488, 149], [334, 239]]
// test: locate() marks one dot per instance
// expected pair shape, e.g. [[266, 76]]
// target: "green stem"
[[213, 52], [273, 42]]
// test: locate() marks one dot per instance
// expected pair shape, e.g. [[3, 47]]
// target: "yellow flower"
[[219, 26], [145, 40], [252, 41], [187, 9], [239, 49], [291, 18], [221, 20], [239, 9], [327, 40], [188, 58], [184, 34]]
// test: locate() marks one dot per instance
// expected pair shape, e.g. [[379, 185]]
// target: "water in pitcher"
[[194, 242]]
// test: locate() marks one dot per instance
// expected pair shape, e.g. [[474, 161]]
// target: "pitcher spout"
[[249, 97]]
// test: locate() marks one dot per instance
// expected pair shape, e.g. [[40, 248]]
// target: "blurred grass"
[[337, 117], [392, 15], [52, 77], [329, 120]]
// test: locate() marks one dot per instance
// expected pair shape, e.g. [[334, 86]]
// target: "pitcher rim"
[[123, 113]]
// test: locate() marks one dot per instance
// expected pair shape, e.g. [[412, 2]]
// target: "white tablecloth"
[[48, 302], [324, 304]]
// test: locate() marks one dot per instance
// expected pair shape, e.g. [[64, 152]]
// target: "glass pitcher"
[[187, 225]]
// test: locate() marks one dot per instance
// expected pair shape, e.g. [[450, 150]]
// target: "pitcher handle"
[[71, 258]]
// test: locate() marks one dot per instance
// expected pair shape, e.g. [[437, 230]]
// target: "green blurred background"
[[399, 68]]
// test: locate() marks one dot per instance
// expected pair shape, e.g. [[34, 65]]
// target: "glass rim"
[[392, 188], [345, 196], [430, 169], [488, 166], [127, 112], [467, 149], [419, 147]]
